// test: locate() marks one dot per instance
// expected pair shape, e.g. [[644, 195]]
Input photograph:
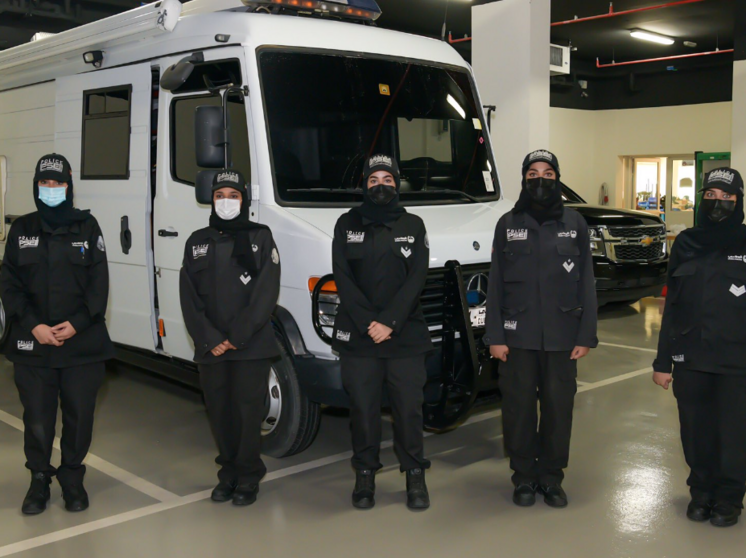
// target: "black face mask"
[[541, 190], [718, 210], [381, 194]]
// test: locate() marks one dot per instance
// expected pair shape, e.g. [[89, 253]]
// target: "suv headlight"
[[597, 242]]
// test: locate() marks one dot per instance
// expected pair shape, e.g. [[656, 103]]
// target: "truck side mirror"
[[176, 74], [203, 186], [209, 137]]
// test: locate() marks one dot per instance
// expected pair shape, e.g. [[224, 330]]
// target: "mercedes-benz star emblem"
[[476, 245], [478, 285]]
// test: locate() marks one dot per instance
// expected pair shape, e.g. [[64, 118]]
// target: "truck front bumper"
[[616, 282]]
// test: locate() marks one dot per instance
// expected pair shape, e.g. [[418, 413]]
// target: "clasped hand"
[[55, 336], [379, 332], [223, 348]]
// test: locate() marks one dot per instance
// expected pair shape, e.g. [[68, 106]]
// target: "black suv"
[[630, 255]]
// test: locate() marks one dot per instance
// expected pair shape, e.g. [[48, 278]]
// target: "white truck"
[[309, 88]]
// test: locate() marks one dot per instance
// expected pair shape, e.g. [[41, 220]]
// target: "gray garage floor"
[[151, 470]]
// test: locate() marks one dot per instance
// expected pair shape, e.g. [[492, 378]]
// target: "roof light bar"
[[348, 9]]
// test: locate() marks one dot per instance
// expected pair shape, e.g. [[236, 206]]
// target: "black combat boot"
[[524, 494], [417, 495], [245, 494], [38, 494], [75, 497], [224, 491], [363, 497], [554, 496], [699, 511], [724, 514]]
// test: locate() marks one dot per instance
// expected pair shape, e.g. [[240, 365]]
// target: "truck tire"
[[3, 326], [292, 420]]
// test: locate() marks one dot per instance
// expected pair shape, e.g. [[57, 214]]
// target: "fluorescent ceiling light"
[[652, 37], [454, 103]]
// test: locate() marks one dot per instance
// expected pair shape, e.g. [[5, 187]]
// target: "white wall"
[[738, 159], [590, 144]]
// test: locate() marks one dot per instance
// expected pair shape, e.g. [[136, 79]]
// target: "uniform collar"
[[529, 222], [73, 227], [389, 224]]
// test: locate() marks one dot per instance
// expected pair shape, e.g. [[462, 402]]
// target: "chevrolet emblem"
[[646, 241]]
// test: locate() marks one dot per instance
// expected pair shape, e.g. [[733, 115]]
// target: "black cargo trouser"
[[363, 379], [712, 412], [40, 389], [539, 451], [235, 394]]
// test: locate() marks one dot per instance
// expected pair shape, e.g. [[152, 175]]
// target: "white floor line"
[[117, 473], [629, 347], [71, 532]]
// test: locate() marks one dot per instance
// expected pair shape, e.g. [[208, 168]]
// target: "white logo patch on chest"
[[738, 291], [409, 239], [199, 250], [245, 278], [406, 251], [737, 259], [25, 345], [28, 242], [517, 234], [567, 234], [355, 237], [80, 244], [568, 265]]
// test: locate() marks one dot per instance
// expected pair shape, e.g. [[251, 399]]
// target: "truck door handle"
[[166, 232], [125, 236]]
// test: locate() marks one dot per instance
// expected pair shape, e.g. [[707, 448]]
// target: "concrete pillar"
[[738, 142], [510, 56]]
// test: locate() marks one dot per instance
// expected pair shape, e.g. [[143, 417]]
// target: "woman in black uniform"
[[703, 338], [380, 257], [541, 319], [55, 285], [230, 281]]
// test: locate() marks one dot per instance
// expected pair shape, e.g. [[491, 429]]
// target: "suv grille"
[[639, 252], [636, 232]]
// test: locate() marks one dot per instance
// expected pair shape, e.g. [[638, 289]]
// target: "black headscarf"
[[240, 227], [709, 235], [371, 210], [551, 208], [56, 167]]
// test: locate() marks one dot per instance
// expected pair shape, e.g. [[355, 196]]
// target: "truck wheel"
[[292, 420], [3, 328]]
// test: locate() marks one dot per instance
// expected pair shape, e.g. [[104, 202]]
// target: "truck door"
[[177, 213], [103, 125]]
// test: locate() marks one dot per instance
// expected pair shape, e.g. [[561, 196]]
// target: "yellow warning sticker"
[[477, 123], [384, 89]]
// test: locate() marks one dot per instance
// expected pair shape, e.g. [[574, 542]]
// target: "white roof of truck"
[[138, 35]]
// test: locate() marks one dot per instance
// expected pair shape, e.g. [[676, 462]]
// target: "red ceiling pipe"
[[724, 51], [612, 13], [451, 40]]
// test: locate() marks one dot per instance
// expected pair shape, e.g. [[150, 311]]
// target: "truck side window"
[[183, 163], [106, 133]]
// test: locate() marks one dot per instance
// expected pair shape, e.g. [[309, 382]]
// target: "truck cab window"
[[183, 163], [325, 112], [106, 133]]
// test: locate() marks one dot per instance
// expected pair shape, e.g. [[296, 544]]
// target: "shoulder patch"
[[100, 244], [275, 256]]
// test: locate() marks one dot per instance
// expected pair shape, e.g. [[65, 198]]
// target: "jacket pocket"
[[199, 275], [517, 263], [29, 256], [569, 259], [678, 278], [572, 311], [21, 343]]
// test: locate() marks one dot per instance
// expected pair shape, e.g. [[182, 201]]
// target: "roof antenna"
[[445, 22]]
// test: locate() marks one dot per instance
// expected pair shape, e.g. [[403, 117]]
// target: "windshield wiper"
[[444, 191]]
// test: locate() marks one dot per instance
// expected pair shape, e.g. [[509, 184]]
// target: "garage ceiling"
[[708, 23]]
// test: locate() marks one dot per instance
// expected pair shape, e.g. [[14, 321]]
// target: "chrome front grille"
[[645, 243]]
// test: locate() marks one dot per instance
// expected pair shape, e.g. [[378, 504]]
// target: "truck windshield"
[[327, 112]]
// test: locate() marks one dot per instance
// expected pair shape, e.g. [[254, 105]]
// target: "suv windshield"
[[570, 196], [327, 112]]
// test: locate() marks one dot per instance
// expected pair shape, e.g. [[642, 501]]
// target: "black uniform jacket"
[[380, 271], [542, 293], [221, 299], [704, 321], [50, 277]]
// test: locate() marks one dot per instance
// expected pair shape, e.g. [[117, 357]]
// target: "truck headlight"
[[597, 242], [325, 300]]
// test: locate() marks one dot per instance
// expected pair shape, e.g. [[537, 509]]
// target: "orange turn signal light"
[[328, 288]]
